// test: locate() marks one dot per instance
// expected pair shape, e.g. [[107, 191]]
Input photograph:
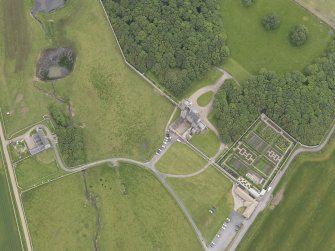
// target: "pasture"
[[119, 208], [37, 169], [253, 48], [199, 193], [9, 232], [180, 159], [20, 44], [304, 217], [121, 114]]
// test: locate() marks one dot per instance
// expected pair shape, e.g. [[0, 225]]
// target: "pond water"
[[47, 5], [56, 72], [55, 63]]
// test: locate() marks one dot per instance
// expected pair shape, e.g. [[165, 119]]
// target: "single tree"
[[298, 35], [271, 21]]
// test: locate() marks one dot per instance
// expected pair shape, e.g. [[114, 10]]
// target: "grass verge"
[[199, 193]]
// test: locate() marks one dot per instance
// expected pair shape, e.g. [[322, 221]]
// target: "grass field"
[[304, 219], [202, 192], [205, 98], [180, 159], [323, 8], [253, 48], [21, 40], [135, 211], [120, 113], [207, 142], [9, 235], [37, 169]]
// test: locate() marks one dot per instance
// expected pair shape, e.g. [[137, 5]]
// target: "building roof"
[[41, 142]]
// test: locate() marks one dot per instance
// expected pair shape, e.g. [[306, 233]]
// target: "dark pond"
[[47, 5], [55, 63]]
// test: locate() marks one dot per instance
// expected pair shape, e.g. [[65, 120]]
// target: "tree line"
[[70, 137], [303, 103], [176, 40]]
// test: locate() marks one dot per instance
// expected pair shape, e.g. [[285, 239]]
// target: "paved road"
[[15, 190], [267, 197], [226, 236]]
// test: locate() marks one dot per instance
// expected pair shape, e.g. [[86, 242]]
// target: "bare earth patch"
[[277, 199]]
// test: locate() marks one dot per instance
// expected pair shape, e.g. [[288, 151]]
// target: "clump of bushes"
[[271, 21], [248, 3], [298, 35], [70, 137]]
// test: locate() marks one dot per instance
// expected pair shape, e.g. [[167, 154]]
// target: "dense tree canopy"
[[176, 40], [70, 137], [302, 103], [298, 35], [271, 21]]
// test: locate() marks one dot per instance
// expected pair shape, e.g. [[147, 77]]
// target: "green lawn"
[[304, 220], [253, 48], [202, 192], [180, 159], [10, 239], [205, 98], [237, 71], [37, 169], [207, 142], [135, 211], [208, 79]]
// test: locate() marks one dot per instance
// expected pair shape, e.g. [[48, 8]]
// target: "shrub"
[[248, 3], [298, 35], [271, 21]]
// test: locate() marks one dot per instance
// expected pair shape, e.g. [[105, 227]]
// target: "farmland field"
[[180, 159], [249, 42], [121, 115], [135, 212], [202, 192], [304, 218], [20, 42], [9, 235], [37, 169]]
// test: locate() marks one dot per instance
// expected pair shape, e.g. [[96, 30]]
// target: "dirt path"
[[204, 111]]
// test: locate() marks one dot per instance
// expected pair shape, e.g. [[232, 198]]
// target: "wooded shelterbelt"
[[303, 103], [176, 40], [70, 137]]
